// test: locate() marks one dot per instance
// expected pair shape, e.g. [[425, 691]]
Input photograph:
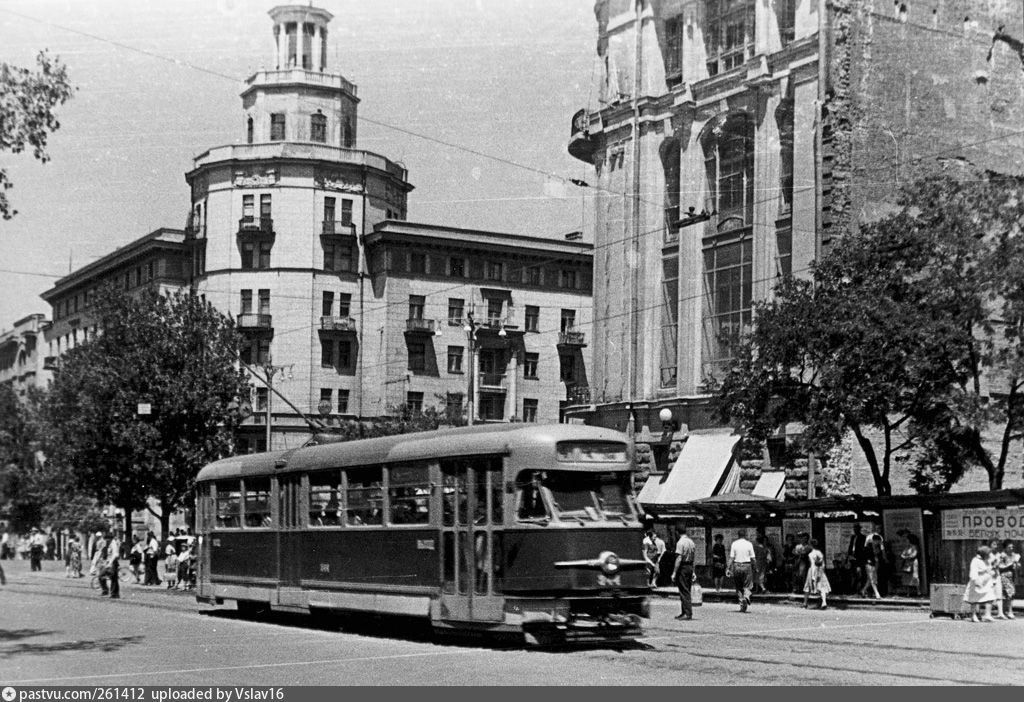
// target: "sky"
[[158, 83]]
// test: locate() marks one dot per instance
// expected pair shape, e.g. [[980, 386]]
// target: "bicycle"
[[124, 575]]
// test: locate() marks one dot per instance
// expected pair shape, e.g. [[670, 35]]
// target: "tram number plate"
[[425, 544], [604, 580]]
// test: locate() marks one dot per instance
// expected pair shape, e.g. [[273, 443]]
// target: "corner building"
[[787, 122]]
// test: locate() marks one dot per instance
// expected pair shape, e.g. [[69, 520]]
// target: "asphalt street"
[[59, 632]]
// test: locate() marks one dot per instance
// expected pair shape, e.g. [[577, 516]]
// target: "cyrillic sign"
[[982, 524]]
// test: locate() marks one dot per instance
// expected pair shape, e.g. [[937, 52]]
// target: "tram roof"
[[462, 441]]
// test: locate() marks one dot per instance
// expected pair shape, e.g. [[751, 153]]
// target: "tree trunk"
[[165, 519], [995, 481], [127, 525], [882, 486]]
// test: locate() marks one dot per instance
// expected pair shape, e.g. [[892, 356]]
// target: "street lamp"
[[270, 370], [471, 328]]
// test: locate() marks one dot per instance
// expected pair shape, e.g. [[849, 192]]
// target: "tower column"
[[282, 47]]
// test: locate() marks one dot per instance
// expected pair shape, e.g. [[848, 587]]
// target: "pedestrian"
[[762, 564], [817, 581], [997, 582], [5, 546], [801, 563], [67, 560], [136, 557], [171, 569], [37, 549], [910, 565], [109, 581], [741, 566], [788, 563], [75, 555], [981, 586], [682, 574], [856, 554], [1008, 565], [151, 554], [873, 555], [718, 562], [653, 547], [51, 547], [99, 546]]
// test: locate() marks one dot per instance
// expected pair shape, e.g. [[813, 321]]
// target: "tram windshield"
[[573, 496]]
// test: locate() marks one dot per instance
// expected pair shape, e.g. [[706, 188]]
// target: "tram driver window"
[[229, 504], [324, 499], [409, 493], [257, 502], [364, 497], [531, 500]]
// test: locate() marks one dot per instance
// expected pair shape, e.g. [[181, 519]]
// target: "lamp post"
[[270, 370], [471, 328]]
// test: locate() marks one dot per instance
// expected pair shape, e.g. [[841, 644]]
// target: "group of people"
[[992, 581], [177, 554], [34, 546]]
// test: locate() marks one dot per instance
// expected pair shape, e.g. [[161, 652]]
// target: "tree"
[[27, 103], [176, 354], [21, 499], [896, 334]]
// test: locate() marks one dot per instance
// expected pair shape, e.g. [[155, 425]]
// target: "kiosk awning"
[[700, 471], [771, 485]]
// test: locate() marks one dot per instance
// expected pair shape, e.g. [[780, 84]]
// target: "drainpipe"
[[634, 302]]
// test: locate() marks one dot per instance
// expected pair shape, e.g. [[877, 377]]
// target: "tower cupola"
[[300, 35]]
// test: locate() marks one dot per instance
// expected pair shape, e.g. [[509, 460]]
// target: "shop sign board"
[[982, 524], [908, 519]]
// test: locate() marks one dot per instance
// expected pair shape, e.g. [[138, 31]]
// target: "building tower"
[[276, 227]]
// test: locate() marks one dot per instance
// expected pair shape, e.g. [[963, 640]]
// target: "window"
[[417, 356], [416, 304], [327, 353], [248, 207], [530, 363], [673, 50], [346, 211], [567, 279], [345, 354], [670, 165], [246, 302], [318, 128], [729, 164], [729, 38], [457, 267], [492, 407], [567, 368], [327, 309], [338, 258], [417, 263], [414, 402], [149, 271], [568, 320], [784, 120], [257, 502], [532, 321], [229, 504], [264, 296], [364, 497], [342, 401], [255, 255], [529, 410], [261, 399], [493, 270], [495, 305], [277, 126], [728, 285], [336, 354], [255, 351], [533, 275], [348, 137], [786, 12], [265, 211], [324, 499], [329, 213], [455, 354], [248, 131], [453, 404], [138, 281], [455, 308], [669, 321], [327, 395], [344, 304], [409, 495]]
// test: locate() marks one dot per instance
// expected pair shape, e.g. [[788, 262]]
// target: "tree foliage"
[[908, 335], [27, 102], [400, 420], [178, 355]]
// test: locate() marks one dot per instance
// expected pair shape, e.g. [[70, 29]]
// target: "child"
[[171, 570]]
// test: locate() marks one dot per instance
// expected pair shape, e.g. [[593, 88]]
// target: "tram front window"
[[573, 496]]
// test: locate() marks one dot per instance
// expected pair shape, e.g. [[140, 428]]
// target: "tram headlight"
[[609, 563]]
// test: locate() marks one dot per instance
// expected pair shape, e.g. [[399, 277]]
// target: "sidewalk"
[[839, 601]]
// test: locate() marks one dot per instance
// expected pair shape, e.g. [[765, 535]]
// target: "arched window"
[[729, 163], [248, 131], [318, 128], [277, 126]]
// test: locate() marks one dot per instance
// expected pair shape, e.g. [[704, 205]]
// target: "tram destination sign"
[[982, 524]]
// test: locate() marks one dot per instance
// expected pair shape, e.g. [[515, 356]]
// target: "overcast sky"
[[501, 77]]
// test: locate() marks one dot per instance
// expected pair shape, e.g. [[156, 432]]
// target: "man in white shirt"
[[653, 549], [741, 565]]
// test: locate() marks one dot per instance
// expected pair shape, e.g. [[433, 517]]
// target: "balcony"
[[250, 227], [420, 326], [250, 322], [494, 326], [581, 144], [338, 324], [492, 382], [578, 395], [571, 337], [332, 230]]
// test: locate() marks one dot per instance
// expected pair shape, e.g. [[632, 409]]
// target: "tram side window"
[[454, 497], [257, 502], [229, 504], [364, 497], [325, 499], [530, 504], [409, 493]]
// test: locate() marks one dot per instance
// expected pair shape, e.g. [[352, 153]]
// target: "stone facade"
[[23, 355]]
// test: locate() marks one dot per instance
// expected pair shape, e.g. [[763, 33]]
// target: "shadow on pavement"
[[15, 634], [102, 645]]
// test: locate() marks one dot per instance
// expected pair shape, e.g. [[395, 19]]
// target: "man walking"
[[108, 564], [741, 565], [682, 574], [37, 547], [653, 548], [857, 556]]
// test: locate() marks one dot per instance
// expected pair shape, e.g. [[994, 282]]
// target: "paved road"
[[54, 631]]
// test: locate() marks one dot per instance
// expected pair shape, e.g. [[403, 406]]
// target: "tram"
[[514, 529]]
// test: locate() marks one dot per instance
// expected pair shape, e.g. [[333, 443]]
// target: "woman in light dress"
[[817, 582], [997, 582], [981, 586], [911, 569]]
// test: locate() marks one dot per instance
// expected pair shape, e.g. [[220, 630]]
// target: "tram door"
[[472, 515], [291, 520]]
